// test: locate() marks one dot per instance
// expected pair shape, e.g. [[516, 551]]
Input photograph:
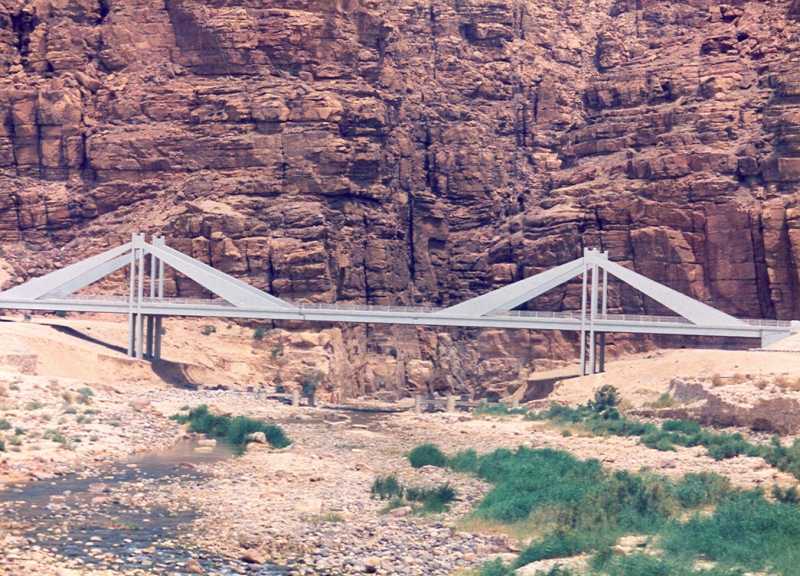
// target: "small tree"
[[606, 400], [309, 383]]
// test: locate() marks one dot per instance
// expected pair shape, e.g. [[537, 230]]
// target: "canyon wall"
[[414, 151]]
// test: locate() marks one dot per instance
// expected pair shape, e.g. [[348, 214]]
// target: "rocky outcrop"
[[412, 151], [744, 401]]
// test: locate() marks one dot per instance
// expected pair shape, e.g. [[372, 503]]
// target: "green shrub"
[[2, 446], [495, 568], [464, 461], [683, 426], [497, 409], [5, 424], [55, 436], [386, 488], [259, 333], [234, 431], [745, 531], [433, 500], [310, 381], [620, 426], [789, 495], [563, 545], [695, 490], [786, 458], [664, 401], [208, 330], [647, 565], [658, 440], [605, 398], [563, 414], [427, 455]]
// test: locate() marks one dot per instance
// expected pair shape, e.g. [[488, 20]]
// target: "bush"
[[433, 500], [647, 565], [310, 381], [5, 424], [495, 568], [787, 496], [658, 440], [208, 330], [259, 333], [786, 458], [562, 545], [386, 488], [234, 431], [2, 446], [85, 395], [561, 413], [745, 531], [664, 401], [427, 455], [695, 490], [684, 426], [606, 398], [464, 461], [497, 409]]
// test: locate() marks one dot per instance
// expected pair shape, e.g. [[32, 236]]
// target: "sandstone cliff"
[[412, 151]]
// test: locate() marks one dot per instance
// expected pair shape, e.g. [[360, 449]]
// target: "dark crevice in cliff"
[[364, 266], [103, 9], [270, 274], [412, 261], [12, 136], [24, 23], [434, 44], [763, 290]]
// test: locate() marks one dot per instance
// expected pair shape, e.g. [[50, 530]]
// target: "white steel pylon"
[[594, 299], [65, 282]]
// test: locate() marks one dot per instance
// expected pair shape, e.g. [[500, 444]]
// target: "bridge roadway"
[[766, 330]]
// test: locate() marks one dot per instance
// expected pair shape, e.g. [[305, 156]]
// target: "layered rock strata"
[[417, 151]]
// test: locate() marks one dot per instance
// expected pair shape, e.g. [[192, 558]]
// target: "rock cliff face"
[[412, 151]]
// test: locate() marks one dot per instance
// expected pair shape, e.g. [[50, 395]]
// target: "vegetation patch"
[[497, 409], [581, 508], [430, 499], [427, 455], [602, 417], [233, 430]]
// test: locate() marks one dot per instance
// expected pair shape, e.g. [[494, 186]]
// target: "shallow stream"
[[78, 518]]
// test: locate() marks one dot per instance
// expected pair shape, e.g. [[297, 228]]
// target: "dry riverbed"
[[306, 508]]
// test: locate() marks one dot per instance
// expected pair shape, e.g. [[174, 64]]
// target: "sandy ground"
[[308, 505]]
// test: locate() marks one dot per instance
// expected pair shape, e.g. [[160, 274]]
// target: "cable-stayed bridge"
[[146, 305]]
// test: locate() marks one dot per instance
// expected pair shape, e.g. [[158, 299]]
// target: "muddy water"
[[79, 519]]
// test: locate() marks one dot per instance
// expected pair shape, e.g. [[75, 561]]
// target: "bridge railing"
[[311, 306]]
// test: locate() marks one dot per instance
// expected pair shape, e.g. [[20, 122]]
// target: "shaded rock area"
[[762, 405], [411, 152]]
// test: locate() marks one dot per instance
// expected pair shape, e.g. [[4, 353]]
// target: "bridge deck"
[[416, 315]]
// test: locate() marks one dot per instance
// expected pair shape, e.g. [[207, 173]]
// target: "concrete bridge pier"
[[144, 340], [594, 301]]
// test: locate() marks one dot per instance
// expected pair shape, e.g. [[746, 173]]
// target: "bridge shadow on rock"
[[541, 388], [176, 374]]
